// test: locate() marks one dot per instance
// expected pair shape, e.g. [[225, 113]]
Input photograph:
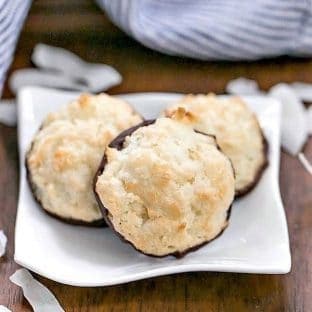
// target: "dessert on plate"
[[65, 153], [165, 188], [236, 129]]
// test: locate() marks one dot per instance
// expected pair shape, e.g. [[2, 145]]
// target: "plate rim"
[[274, 268]]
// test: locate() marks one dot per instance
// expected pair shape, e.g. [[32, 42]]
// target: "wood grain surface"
[[81, 27]]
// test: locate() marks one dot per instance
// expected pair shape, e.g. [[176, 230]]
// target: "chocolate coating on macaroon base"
[[259, 173], [118, 143]]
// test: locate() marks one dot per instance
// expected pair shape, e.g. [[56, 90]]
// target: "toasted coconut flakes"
[[98, 77], [39, 297], [242, 86], [8, 112], [303, 90], [309, 119], [294, 121], [35, 77], [3, 242], [305, 163]]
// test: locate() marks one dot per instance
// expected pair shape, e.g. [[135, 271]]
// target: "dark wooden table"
[[81, 27]]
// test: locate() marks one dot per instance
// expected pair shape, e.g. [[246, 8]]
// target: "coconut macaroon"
[[114, 113], [165, 188], [65, 154], [236, 129]]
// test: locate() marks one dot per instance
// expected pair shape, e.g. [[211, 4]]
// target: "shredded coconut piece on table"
[[40, 298], [98, 77], [303, 90], [3, 243], [8, 112], [294, 121], [243, 86], [35, 77], [305, 163]]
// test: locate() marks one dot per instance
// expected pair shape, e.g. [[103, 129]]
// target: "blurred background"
[[83, 28]]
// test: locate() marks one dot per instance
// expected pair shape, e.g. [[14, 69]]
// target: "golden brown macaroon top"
[[236, 129], [169, 189], [66, 151], [108, 110]]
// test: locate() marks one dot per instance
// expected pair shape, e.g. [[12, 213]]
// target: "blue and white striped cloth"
[[12, 16], [203, 29], [217, 29]]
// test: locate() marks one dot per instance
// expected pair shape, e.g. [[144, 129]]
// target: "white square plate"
[[256, 240]]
